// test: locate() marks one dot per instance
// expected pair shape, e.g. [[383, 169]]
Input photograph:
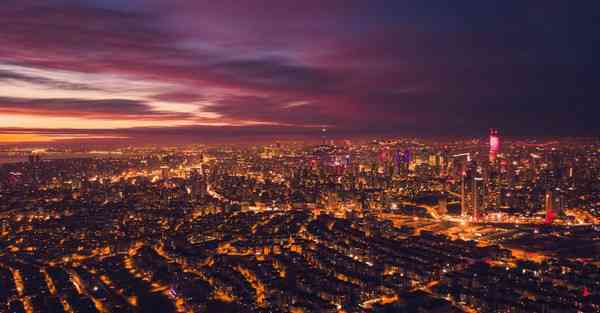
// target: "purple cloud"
[[84, 108], [356, 66]]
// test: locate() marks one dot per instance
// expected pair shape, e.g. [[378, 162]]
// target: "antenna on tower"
[[324, 135]]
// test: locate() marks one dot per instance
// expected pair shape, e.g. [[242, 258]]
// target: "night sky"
[[218, 69]]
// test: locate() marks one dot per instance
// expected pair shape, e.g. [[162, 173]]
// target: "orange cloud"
[[22, 138]]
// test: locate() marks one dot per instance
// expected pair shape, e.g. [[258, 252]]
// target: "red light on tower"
[[494, 140], [586, 292], [550, 215], [494, 144]]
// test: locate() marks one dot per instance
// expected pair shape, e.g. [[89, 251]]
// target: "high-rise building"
[[401, 161], [477, 196], [463, 169], [198, 184], [463, 204], [549, 205], [164, 172], [494, 145], [34, 167]]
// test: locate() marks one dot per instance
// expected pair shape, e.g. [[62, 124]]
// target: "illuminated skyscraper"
[[198, 182], [164, 171], [463, 204], [463, 168], [348, 161], [494, 145], [549, 204], [35, 167], [476, 197]]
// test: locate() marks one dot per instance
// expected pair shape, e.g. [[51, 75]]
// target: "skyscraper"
[[164, 172], [34, 167], [463, 171], [494, 145], [549, 204], [198, 184], [477, 197], [463, 204]]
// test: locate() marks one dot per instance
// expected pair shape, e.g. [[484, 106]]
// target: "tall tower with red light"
[[494, 145], [549, 204]]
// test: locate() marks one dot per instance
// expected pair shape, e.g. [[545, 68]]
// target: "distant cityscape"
[[395, 225], [281, 156]]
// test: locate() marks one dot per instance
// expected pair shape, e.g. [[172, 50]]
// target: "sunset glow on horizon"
[[276, 67]]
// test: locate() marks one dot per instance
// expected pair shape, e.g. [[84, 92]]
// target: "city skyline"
[[397, 225], [318, 156], [148, 71]]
